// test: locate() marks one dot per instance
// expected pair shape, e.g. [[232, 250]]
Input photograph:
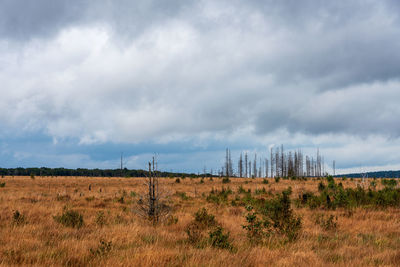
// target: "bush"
[[219, 197], [326, 223], [70, 218], [2, 184], [194, 232], [202, 217], [218, 239], [18, 218], [32, 176], [280, 216], [195, 229], [321, 186], [337, 197], [389, 183], [260, 191], [226, 180], [373, 184], [254, 227], [265, 181], [277, 179], [177, 180]]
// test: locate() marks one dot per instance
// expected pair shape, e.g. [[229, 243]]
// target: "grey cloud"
[[188, 68], [23, 20]]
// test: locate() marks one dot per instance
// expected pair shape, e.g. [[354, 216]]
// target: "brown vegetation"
[[46, 230]]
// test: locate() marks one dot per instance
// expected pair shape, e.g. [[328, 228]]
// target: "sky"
[[82, 81]]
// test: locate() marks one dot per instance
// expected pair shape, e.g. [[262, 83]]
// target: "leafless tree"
[[245, 165], [255, 165], [240, 166], [152, 204]]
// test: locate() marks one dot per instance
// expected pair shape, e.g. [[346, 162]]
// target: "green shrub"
[[265, 181], [219, 197], [195, 229], [218, 239], [70, 218], [32, 176], [254, 227], [260, 191], [177, 180], [321, 186], [277, 179], [202, 217], [389, 183], [226, 180], [2, 184], [331, 182], [280, 216], [337, 197]]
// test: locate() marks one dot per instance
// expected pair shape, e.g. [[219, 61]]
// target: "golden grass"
[[367, 238]]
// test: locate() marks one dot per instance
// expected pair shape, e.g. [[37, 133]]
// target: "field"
[[113, 234]]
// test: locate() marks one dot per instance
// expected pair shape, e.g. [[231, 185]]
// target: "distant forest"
[[379, 174], [86, 172], [142, 173]]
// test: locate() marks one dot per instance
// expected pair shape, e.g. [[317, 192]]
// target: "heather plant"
[[70, 218], [18, 218]]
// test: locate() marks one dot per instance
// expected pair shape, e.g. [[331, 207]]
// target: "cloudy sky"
[[82, 81]]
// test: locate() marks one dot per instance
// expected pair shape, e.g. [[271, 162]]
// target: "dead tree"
[[151, 204], [245, 165], [240, 166]]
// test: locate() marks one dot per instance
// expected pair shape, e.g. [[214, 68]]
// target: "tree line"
[[86, 172], [280, 163]]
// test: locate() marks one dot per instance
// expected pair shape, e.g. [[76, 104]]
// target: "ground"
[[113, 234]]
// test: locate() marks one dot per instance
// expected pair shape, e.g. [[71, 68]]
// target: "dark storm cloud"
[[22, 20]]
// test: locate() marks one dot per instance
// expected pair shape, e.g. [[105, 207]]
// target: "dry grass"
[[366, 238]]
